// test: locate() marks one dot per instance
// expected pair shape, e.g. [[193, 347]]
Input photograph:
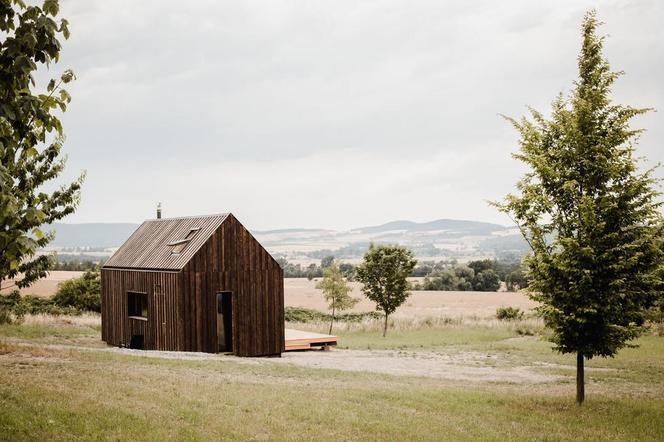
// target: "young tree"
[[590, 217], [336, 291], [384, 273], [31, 138]]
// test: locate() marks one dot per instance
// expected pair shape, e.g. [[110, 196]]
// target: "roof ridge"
[[148, 246], [214, 215]]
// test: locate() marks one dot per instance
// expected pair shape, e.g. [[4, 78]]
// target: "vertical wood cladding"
[[182, 310]]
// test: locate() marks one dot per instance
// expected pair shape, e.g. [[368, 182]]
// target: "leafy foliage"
[[73, 297], [481, 278], [509, 313], [83, 293], [31, 138], [589, 215], [305, 315], [15, 307], [384, 272], [336, 291]]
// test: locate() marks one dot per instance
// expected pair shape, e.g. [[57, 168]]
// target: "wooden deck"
[[304, 340]]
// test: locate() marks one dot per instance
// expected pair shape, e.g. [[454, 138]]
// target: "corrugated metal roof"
[[147, 247]]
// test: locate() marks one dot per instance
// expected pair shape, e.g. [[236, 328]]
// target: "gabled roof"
[[151, 246]]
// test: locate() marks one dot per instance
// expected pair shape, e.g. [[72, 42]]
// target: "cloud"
[[234, 100]]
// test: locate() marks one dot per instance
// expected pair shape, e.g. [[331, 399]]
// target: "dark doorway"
[[224, 322], [136, 342]]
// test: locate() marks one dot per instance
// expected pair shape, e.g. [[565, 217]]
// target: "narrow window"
[[137, 304], [180, 244]]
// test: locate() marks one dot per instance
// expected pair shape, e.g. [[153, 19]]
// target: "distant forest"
[[480, 275]]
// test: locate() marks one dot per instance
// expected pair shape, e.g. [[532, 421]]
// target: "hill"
[[438, 239]]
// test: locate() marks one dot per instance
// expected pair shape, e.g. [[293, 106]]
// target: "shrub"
[[12, 308], [304, 315], [509, 313], [5, 315], [82, 293], [300, 314]]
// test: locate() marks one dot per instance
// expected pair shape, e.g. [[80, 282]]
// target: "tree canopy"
[[384, 272], [590, 216], [31, 138], [336, 291]]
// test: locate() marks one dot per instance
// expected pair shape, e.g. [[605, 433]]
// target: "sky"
[[327, 114]]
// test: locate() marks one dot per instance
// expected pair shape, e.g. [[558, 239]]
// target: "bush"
[[304, 315], [509, 313], [12, 308], [5, 315], [300, 314], [82, 293]]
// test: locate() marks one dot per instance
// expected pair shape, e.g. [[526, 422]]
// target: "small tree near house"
[[336, 291], [591, 218], [384, 273]]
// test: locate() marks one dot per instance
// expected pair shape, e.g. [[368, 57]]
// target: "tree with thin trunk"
[[31, 139], [336, 291], [590, 216], [384, 272]]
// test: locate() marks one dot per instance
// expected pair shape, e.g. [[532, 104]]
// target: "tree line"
[[480, 275]]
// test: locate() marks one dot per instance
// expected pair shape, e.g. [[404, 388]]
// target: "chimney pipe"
[[159, 211]]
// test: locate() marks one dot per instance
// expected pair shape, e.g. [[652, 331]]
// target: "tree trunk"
[[385, 326], [331, 322], [580, 385]]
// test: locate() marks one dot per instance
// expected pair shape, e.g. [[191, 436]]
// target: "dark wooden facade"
[[182, 296]]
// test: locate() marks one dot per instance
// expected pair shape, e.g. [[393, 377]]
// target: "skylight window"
[[180, 244]]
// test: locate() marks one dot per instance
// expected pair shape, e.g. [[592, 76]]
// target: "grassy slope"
[[90, 395]]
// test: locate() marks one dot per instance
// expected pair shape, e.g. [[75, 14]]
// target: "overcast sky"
[[331, 114]]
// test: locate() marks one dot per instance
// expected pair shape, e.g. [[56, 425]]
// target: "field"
[[446, 371], [300, 292], [46, 286]]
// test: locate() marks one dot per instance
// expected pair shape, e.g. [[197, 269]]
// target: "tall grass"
[[534, 324], [92, 320]]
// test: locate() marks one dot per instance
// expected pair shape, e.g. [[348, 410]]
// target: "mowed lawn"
[[58, 383]]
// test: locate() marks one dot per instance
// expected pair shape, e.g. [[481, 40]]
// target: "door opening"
[[136, 342], [224, 322]]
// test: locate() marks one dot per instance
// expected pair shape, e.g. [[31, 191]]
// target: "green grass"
[[52, 394], [53, 333], [427, 338], [116, 397]]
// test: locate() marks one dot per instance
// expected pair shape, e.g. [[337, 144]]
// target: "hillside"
[[438, 239]]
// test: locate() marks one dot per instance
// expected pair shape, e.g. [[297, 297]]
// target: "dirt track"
[[474, 367]]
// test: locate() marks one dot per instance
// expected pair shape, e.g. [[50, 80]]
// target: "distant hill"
[[90, 234], [451, 226], [439, 239]]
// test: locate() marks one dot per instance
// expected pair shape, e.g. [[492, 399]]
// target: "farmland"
[[447, 370], [300, 292]]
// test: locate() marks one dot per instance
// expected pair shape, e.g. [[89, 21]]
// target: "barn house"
[[194, 284]]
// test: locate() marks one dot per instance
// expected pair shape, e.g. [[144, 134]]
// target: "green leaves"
[[384, 272], [51, 7], [67, 76], [30, 39], [336, 289], [590, 217]]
